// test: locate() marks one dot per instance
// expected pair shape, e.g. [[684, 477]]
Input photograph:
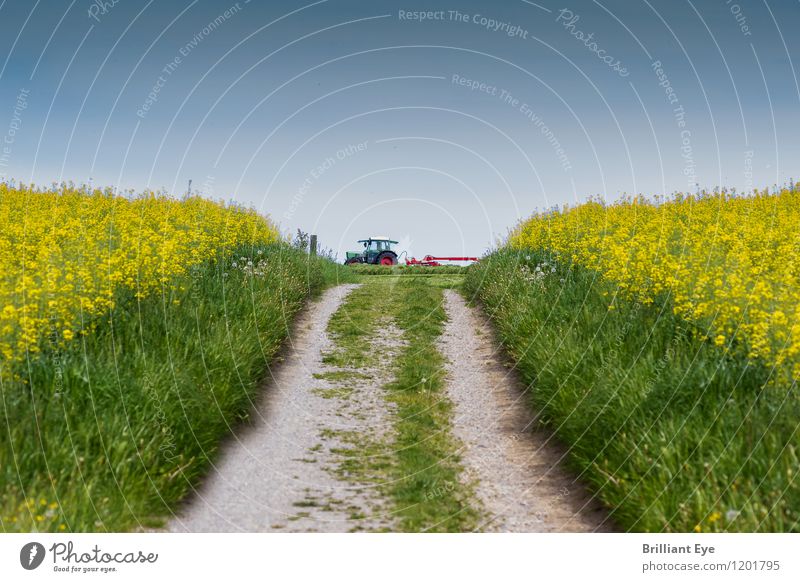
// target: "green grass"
[[427, 490], [353, 326], [111, 432], [419, 467], [416, 270], [671, 432]]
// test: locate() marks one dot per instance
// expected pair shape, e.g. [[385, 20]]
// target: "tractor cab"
[[376, 245], [377, 251]]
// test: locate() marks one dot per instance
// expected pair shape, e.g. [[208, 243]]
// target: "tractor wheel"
[[354, 261], [387, 259]]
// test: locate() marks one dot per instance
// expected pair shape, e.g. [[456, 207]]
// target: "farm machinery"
[[378, 251], [431, 261]]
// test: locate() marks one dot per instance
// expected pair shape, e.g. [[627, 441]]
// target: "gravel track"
[[516, 469], [291, 468], [283, 472]]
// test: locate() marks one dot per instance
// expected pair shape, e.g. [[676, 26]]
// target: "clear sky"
[[442, 130]]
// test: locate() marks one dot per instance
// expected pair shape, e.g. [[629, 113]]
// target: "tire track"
[[516, 470], [284, 472]]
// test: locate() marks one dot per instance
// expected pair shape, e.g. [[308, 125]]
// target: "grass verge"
[[109, 433], [672, 432]]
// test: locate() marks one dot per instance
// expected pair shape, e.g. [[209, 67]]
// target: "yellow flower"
[[729, 263], [65, 254]]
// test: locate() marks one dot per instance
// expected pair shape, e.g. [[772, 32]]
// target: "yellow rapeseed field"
[[65, 253], [729, 263]]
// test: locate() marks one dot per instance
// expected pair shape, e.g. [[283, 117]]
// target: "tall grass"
[[672, 432], [109, 432]]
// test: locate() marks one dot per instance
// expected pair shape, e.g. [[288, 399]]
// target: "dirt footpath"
[[517, 472], [284, 471]]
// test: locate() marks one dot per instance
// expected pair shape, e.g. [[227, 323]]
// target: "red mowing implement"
[[431, 261]]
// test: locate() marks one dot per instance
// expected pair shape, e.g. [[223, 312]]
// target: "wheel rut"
[[516, 469], [300, 464]]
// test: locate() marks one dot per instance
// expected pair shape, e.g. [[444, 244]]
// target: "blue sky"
[[356, 118]]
